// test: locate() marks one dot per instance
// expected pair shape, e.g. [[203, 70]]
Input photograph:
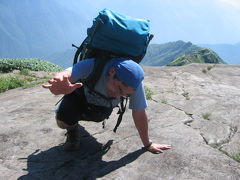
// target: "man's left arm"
[[141, 123]]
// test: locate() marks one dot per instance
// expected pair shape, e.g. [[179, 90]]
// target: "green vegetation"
[[24, 79], [164, 100], [206, 116], [10, 82], [235, 157], [25, 76], [8, 65], [208, 69], [26, 72], [162, 54], [202, 55], [148, 93], [204, 71]]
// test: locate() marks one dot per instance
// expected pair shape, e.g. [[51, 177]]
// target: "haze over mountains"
[[229, 52], [37, 28], [46, 29]]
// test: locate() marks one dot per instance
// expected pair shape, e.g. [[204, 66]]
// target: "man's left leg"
[[73, 135], [67, 116]]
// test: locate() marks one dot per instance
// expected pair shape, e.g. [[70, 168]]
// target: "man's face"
[[115, 88]]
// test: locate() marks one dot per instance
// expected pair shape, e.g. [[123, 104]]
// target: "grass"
[[32, 84], [235, 157], [204, 71], [208, 69], [10, 82], [164, 100], [148, 93], [26, 72], [206, 116], [8, 65], [23, 78]]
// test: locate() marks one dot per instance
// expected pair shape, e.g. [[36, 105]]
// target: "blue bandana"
[[128, 71]]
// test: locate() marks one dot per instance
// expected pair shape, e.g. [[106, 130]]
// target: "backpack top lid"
[[128, 71], [120, 34]]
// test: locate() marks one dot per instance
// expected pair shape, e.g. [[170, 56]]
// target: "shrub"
[[204, 71], [24, 78], [8, 65], [209, 68], [25, 72]]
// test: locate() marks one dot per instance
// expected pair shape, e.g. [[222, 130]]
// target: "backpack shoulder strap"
[[94, 76]]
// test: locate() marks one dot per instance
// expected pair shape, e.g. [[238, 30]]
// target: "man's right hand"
[[60, 84]]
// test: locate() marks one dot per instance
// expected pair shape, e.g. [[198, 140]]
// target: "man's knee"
[[62, 124], [64, 121]]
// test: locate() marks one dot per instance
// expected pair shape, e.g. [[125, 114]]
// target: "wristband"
[[147, 146]]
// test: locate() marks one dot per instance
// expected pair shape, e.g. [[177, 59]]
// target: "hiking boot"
[[73, 139]]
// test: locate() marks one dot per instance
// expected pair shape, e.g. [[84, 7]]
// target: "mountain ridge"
[[162, 54], [203, 55], [156, 55]]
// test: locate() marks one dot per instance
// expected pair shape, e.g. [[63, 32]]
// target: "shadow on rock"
[[84, 164]]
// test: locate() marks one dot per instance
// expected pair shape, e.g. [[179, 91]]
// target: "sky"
[[198, 21]]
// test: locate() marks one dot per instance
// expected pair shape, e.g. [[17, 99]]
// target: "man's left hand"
[[158, 148]]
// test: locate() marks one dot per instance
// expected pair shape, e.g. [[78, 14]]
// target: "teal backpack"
[[113, 35]]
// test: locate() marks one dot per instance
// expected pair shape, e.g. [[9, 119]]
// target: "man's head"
[[124, 76]]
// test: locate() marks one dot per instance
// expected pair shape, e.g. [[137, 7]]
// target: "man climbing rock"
[[121, 77]]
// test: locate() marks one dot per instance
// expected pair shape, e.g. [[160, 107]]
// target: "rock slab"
[[197, 112]]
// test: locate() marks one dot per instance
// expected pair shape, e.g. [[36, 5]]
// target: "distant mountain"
[[38, 28], [157, 54], [228, 52], [203, 55], [162, 54]]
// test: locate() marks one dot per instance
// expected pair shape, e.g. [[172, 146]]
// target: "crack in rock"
[[233, 130], [219, 143], [187, 121]]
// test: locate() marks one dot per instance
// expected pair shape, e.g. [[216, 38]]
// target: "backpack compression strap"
[[121, 111]]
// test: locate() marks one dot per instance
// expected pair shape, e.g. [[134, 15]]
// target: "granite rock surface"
[[196, 111]]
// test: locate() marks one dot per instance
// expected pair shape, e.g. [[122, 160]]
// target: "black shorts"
[[74, 107]]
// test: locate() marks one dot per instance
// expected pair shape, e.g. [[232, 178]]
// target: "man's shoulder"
[[83, 69]]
